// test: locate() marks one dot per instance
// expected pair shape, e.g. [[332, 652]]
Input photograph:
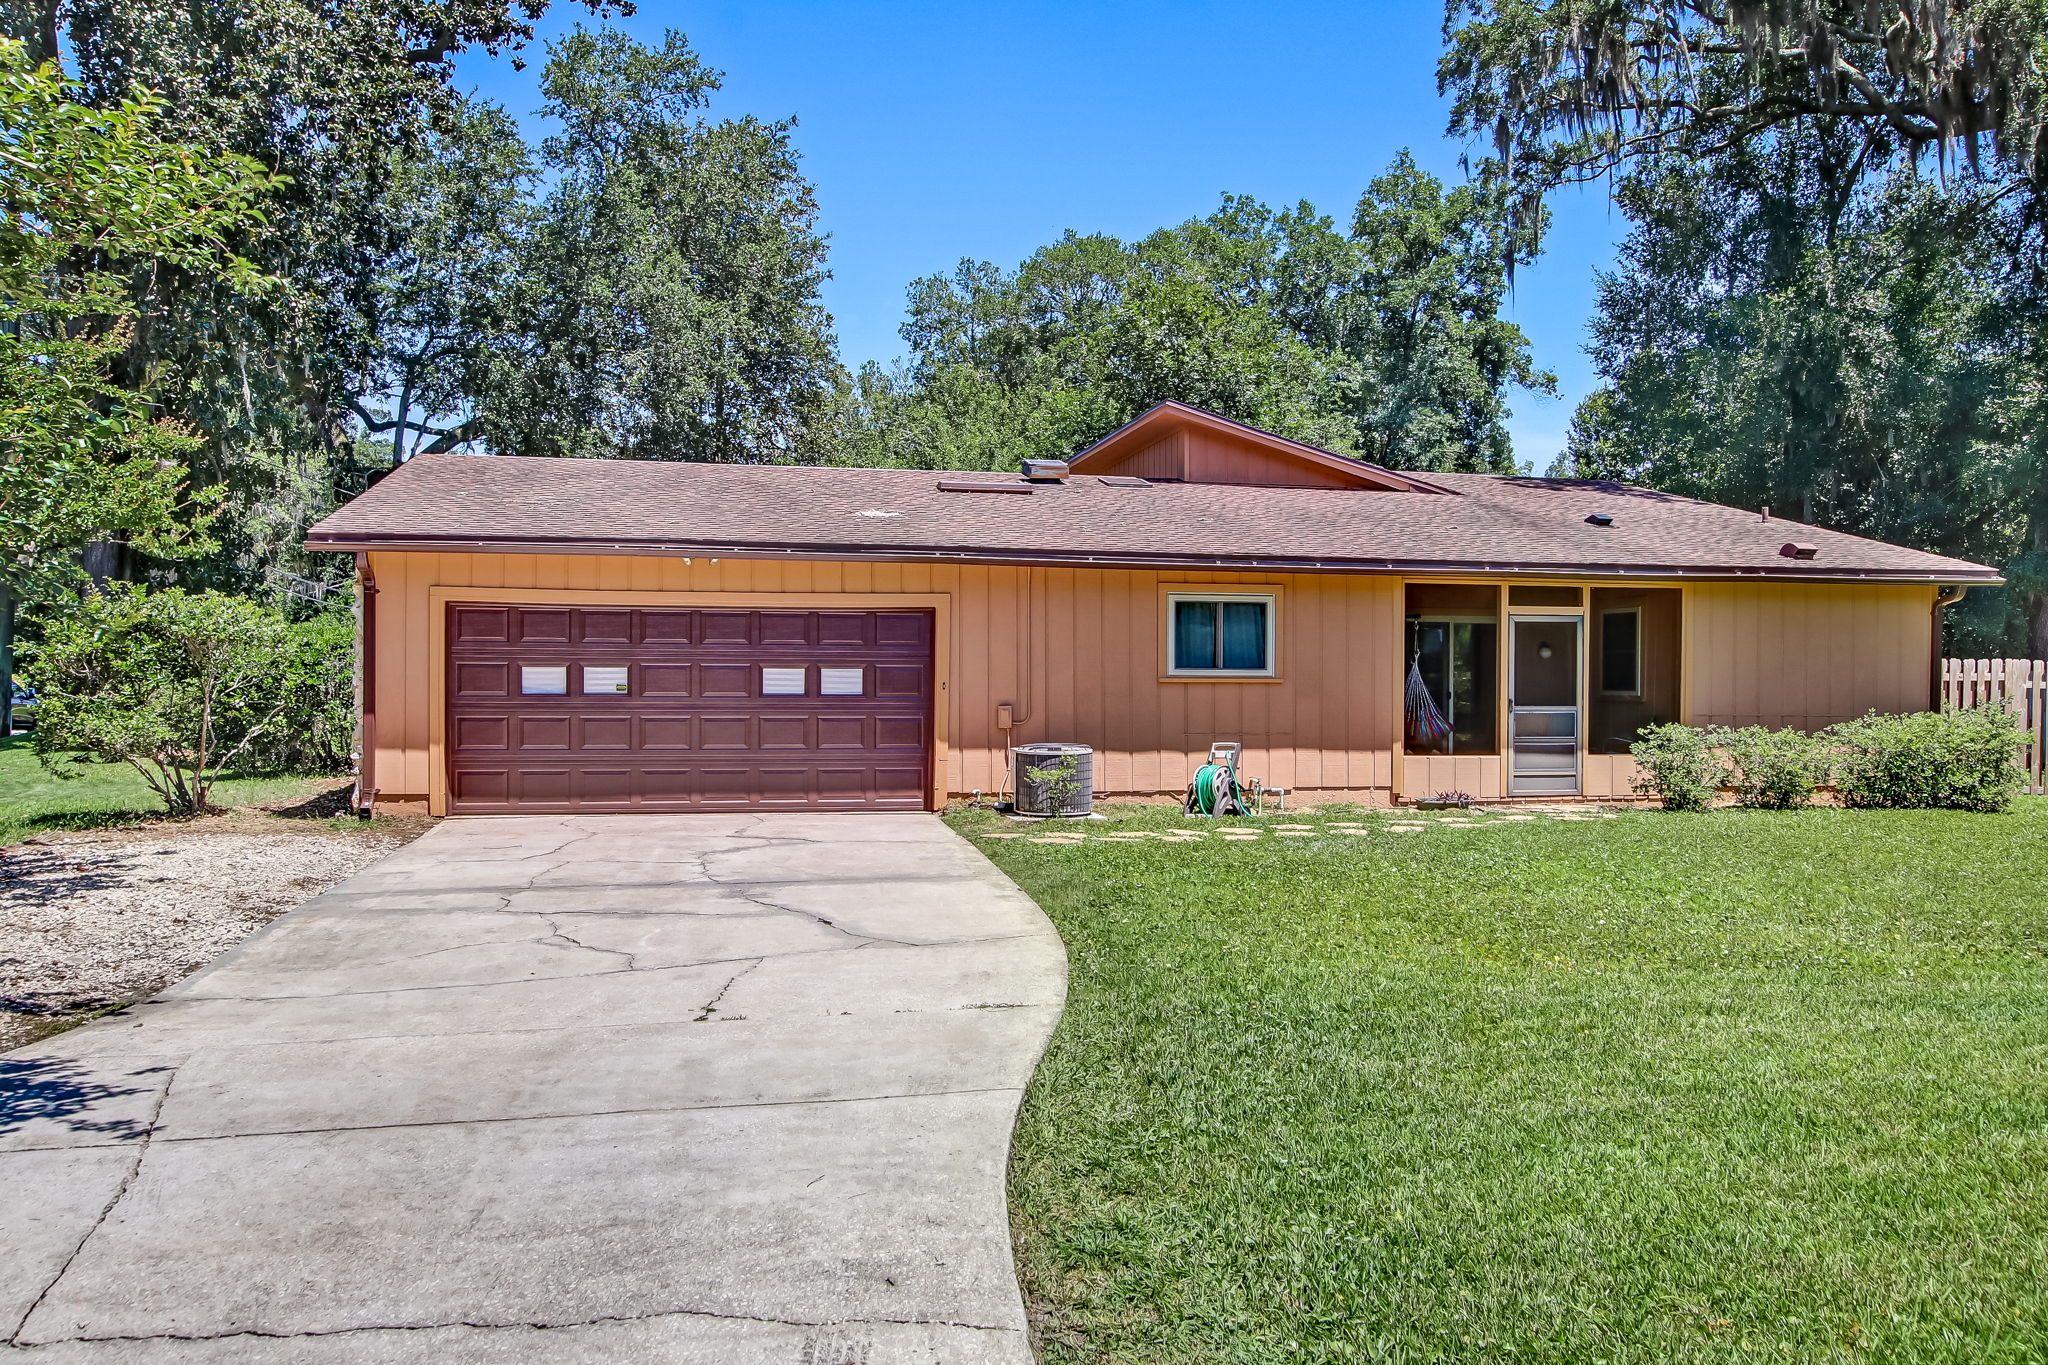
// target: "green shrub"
[[1679, 766], [1773, 769], [1966, 759], [177, 685], [317, 732]]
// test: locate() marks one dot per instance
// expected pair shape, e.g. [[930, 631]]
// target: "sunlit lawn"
[[1730, 1087], [33, 799]]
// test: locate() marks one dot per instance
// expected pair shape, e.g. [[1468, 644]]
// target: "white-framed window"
[[1621, 652], [1220, 634]]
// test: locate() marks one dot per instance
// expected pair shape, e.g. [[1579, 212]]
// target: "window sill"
[[1220, 678]]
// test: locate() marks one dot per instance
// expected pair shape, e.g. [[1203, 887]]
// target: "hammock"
[[1426, 724]]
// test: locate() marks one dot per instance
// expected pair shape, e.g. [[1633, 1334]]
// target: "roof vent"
[[1793, 549], [982, 486], [1122, 481], [1046, 471], [1600, 519]]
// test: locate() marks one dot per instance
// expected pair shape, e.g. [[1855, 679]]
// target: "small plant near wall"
[[1774, 769], [1679, 765], [1962, 759], [1060, 782]]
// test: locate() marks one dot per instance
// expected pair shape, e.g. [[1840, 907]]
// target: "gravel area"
[[97, 919]]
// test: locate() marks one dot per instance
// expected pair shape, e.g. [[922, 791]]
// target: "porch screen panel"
[[1457, 660]]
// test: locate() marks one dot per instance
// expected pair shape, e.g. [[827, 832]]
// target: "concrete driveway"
[[583, 1088]]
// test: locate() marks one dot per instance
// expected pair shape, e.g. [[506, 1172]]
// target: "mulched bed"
[[95, 919]]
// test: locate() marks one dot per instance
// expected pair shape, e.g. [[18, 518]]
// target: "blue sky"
[[934, 132]]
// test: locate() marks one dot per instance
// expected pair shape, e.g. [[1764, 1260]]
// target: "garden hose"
[[1215, 791]]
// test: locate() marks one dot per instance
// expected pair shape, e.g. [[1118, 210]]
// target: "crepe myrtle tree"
[[177, 685]]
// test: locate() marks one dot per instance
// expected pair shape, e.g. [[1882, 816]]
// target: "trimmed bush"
[[317, 732], [1679, 766], [180, 686], [1774, 769], [1965, 759]]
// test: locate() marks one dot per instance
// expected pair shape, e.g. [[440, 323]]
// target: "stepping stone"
[[1404, 829], [1517, 817], [1295, 833], [1359, 832]]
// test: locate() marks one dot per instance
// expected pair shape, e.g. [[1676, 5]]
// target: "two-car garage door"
[[658, 709]]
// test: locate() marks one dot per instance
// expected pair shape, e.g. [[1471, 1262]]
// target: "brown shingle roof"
[[1505, 524]]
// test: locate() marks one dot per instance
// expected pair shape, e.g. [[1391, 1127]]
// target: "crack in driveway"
[[141, 1149], [541, 1325], [403, 1179]]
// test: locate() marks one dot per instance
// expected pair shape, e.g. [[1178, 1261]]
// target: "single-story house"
[[589, 635]]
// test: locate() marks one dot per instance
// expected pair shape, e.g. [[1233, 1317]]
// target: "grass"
[[1733, 1087], [32, 799]]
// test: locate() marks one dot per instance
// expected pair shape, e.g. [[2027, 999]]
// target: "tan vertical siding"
[[1806, 654], [1080, 653]]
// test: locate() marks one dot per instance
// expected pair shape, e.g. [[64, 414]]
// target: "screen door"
[[1543, 705]]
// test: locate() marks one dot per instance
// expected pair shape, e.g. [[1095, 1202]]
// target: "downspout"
[[364, 799], [1946, 598]]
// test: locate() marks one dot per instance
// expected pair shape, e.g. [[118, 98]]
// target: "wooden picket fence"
[[2021, 684]]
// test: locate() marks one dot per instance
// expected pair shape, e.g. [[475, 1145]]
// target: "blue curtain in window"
[[1244, 635], [1194, 635]]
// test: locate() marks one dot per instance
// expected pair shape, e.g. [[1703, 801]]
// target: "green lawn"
[[33, 799], [1661, 1088]]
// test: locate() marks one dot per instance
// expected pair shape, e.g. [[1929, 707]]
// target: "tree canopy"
[[1833, 297], [667, 307], [1383, 341], [91, 197]]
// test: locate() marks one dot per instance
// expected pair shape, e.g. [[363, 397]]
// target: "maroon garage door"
[[595, 708]]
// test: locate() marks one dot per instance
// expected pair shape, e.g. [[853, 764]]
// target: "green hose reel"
[[1216, 789]]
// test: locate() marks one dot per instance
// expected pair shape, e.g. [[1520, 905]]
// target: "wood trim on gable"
[[1172, 441]]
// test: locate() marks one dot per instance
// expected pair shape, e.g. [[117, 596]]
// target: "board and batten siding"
[[1080, 655], [1806, 654]]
